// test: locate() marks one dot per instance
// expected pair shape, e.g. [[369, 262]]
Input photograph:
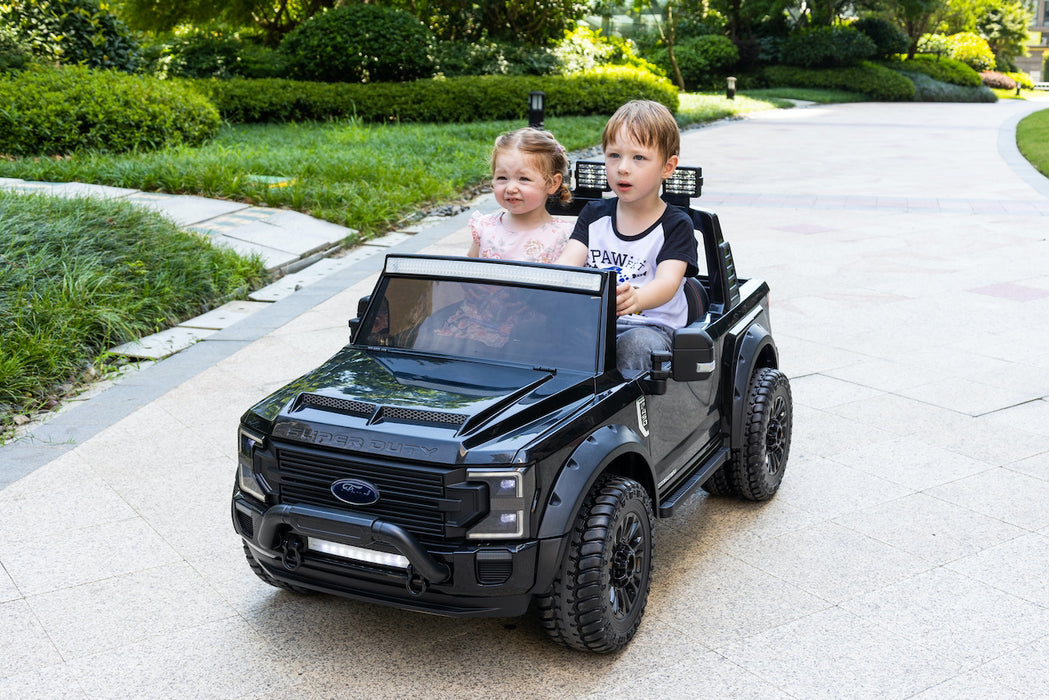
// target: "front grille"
[[409, 497]]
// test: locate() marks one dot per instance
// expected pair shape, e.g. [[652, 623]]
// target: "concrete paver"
[[904, 556]]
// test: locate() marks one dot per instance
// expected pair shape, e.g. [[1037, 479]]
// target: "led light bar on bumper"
[[510, 496]]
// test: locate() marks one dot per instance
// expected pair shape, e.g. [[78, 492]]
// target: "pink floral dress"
[[494, 240]]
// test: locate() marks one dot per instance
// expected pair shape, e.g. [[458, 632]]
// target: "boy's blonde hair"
[[649, 123], [548, 155]]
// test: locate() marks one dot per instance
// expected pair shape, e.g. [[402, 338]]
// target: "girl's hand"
[[628, 301]]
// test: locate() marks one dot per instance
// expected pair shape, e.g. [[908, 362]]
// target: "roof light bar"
[[684, 180], [580, 280]]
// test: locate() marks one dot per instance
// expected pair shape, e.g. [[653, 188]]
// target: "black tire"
[[598, 597], [756, 469], [261, 573]]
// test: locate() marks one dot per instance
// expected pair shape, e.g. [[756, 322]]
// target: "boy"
[[651, 245]]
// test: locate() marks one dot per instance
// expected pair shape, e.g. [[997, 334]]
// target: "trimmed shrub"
[[57, 111], [993, 79], [1022, 79], [213, 53], [700, 58], [878, 82], [73, 32], [456, 59], [971, 49], [888, 39], [927, 89], [826, 47], [360, 44], [945, 70], [466, 99]]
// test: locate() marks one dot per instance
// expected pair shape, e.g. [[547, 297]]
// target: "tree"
[[1005, 29], [274, 17], [536, 22], [74, 32]]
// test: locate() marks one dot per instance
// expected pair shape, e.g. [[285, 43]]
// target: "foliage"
[[914, 16], [535, 22], [274, 19], [878, 82], [1022, 79], [63, 110], [212, 52], [994, 79], [1005, 29], [79, 276], [460, 58], [700, 58], [359, 44], [971, 49], [473, 98], [72, 32], [928, 89], [888, 38], [946, 70], [14, 55], [826, 47]]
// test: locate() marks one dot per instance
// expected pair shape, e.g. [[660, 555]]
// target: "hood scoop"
[[400, 414], [347, 407]]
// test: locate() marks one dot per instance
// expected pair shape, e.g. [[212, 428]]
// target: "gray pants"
[[635, 343]]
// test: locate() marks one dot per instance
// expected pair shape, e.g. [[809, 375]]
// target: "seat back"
[[697, 298]]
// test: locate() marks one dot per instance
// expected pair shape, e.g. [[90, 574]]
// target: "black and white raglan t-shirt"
[[634, 258]]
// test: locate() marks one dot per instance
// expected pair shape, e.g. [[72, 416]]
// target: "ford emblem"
[[355, 492]]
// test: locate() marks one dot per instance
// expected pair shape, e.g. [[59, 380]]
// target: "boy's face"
[[635, 172]]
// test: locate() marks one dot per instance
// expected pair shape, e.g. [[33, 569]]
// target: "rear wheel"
[[599, 595], [756, 469]]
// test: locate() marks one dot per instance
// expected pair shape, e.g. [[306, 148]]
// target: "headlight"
[[247, 480], [510, 494]]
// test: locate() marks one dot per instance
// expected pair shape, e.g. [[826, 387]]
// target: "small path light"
[[535, 109], [731, 91]]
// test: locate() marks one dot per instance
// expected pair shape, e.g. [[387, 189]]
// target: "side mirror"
[[693, 354], [355, 323]]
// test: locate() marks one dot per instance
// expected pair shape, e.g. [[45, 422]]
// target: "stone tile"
[[273, 258], [828, 489], [715, 598], [42, 564], [820, 655], [973, 398], [1031, 417], [155, 601], [955, 616], [992, 444], [819, 391], [927, 527], [1012, 497], [1036, 466], [184, 210], [859, 564], [899, 416], [911, 462], [225, 315], [220, 659], [163, 344], [47, 683], [8, 589], [818, 433], [24, 645], [1012, 567]]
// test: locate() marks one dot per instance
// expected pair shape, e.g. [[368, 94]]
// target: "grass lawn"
[[1032, 138]]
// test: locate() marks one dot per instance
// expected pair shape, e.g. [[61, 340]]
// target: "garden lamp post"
[[730, 92], [535, 109]]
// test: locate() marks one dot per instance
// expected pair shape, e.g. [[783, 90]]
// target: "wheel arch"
[[756, 350]]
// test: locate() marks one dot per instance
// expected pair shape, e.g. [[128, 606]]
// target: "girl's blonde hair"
[[549, 155], [649, 123]]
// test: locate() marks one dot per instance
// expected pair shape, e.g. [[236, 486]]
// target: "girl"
[[528, 165]]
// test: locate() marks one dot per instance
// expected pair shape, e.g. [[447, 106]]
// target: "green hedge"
[[945, 70], [878, 82], [466, 99], [929, 89], [53, 111]]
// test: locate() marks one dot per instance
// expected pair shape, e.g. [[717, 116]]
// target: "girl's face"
[[519, 186]]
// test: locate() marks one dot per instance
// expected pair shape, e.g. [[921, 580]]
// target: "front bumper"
[[457, 579]]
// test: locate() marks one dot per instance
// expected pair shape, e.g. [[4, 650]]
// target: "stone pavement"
[[905, 555]]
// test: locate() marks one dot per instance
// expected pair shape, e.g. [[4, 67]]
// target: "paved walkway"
[[905, 554]]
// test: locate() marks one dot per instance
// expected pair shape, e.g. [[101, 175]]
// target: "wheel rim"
[[628, 566], [776, 436]]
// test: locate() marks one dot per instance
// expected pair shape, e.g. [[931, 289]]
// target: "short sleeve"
[[679, 240]]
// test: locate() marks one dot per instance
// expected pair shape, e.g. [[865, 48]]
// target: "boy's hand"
[[627, 300]]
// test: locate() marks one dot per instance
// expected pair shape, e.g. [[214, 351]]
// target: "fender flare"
[[582, 469], [756, 349]]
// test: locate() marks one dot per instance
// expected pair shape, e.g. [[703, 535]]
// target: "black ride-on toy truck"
[[474, 450]]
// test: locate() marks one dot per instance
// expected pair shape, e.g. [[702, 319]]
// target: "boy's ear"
[[669, 167]]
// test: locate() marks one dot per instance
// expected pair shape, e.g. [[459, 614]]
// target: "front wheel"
[[599, 595]]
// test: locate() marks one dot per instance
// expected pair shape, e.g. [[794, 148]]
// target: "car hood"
[[420, 407]]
